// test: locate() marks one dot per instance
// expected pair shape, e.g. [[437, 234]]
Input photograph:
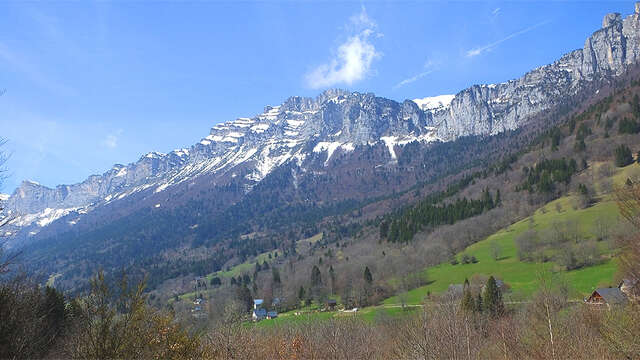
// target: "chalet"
[[607, 296], [257, 303], [259, 314], [272, 314], [331, 303]]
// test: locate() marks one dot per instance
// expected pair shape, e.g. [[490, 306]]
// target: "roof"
[[260, 312], [258, 301], [628, 283], [332, 301], [272, 313], [612, 295]]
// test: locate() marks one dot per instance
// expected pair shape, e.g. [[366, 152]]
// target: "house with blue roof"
[[259, 314], [257, 303]]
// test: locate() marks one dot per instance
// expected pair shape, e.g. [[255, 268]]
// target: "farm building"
[[607, 296]]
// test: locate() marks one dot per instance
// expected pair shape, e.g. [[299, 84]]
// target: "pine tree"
[[384, 229], [316, 277], [467, 303], [367, 276], [244, 297], [332, 276], [275, 274], [479, 307], [493, 298]]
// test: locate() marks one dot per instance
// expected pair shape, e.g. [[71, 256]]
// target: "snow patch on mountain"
[[122, 172], [434, 102], [43, 218]]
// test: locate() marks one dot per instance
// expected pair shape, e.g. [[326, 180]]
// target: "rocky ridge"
[[491, 109]]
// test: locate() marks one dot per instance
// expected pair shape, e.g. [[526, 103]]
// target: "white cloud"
[[496, 12], [111, 140], [482, 49], [353, 58], [428, 68]]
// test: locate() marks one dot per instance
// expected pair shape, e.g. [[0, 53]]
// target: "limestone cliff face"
[[300, 128], [495, 108]]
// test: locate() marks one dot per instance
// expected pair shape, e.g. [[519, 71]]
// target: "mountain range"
[[302, 160]]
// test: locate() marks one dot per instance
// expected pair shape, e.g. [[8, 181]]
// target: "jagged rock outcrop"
[[491, 109], [300, 128]]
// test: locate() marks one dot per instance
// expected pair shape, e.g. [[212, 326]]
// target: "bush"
[[123, 326], [32, 321]]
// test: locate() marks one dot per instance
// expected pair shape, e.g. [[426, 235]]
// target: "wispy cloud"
[[496, 11], [353, 58], [482, 49], [111, 140], [31, 71], [429, 67]]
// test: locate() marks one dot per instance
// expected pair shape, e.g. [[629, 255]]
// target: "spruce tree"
[[332, 276], [244, 297], [493, 298], [316, 277], [367, 276], [275, 274], [478, 304], [467, 303]]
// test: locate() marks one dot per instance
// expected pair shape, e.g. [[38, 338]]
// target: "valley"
[[502, 221]]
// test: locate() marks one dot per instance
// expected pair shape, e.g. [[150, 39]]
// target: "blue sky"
[[89, 84]]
